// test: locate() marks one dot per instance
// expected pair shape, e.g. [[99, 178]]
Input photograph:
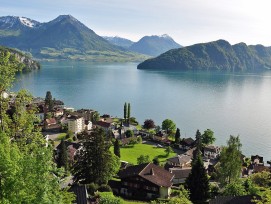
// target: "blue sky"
[[187, 21]]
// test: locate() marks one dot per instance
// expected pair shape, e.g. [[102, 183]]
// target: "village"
[[162, 164]]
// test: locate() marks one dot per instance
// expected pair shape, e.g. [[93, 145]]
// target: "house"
[[72, 148], [180, 174], [76, 124], [212, 152], [106, 125], [257, 160], [145, 181], [51, 125], [160, 136], [58, 112], [179, 161], [187, 143]]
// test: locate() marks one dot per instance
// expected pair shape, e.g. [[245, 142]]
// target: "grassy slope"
[[131, 153]]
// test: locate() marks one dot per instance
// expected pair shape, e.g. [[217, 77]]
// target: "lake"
[[229, 104]]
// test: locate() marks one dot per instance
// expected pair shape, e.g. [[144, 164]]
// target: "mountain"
[[27, 61], [122, 42], [62, 38], [217, 55], [154, 45]]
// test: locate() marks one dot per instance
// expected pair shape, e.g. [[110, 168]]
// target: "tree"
[[208, 137], [142, 159], [95, 162], [234, 189], [181, 198], [129, 133], [49, 101], [197, 182], [148, 124], [9, 65], [230, 161], [129, 112], [63, 156], [168, 150], [125, 111], [95, 117], [168, 125], [156, 161], [117, 148], [177, 136], [198, 144]]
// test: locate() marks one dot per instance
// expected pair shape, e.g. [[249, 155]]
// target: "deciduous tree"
[[230, 161], [148, 124], [168, 125], [208, 137]]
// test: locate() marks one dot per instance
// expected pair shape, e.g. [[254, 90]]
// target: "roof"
[[212, 148], [253, 158], [180, 173], [51, 121], [80, 193], [258, 169], [103, 124], [188, 141], [232, 200], [149, 171], [180, 159]]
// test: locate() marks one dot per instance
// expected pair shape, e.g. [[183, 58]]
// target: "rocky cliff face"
[[29, 63]]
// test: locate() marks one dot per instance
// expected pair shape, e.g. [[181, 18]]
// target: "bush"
[[104, 188], [92, 188], [139, 139], [108, 198]]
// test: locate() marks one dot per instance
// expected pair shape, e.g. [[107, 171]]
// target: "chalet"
[[187, 143], [160, 136], [212, 152], [145, 181]]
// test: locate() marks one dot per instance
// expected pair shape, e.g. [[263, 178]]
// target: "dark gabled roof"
[[151, 172], [188, 141], [257, 157], [258, 169], [212, 148], [67, 143], [80, 193], [103, 124], [232, 200], [180, 173]]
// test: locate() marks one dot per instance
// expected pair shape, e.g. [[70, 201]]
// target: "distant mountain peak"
[[15, 21], [154, 45], [29, 22]]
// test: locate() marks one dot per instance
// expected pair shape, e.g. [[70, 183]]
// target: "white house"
[[76, 124]]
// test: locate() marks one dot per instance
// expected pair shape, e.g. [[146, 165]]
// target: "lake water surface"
[[229, 104]]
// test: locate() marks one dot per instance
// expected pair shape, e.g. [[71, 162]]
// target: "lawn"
[[131, 153]]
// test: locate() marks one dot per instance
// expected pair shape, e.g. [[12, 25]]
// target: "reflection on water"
[[224, 102]]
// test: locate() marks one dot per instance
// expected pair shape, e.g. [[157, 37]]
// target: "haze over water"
[[229, 104]]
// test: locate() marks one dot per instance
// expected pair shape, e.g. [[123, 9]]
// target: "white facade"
[[76, 125]]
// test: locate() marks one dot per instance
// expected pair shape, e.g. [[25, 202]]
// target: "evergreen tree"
[[177, 136], [117, 148], [95, 162], [125, 111], [129, 112], [49, 101], [63, 156], [198, 144], [197, 182]]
